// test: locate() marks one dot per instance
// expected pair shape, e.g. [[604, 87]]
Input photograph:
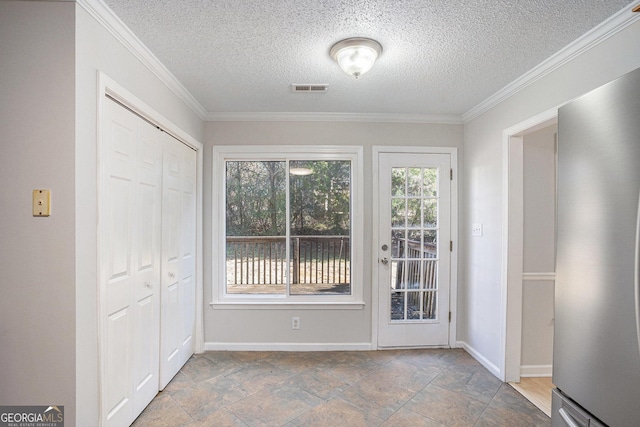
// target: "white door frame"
[[453, 291], [513, 241], [108, 86]]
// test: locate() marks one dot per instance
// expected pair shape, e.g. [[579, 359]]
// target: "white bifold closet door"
[[148, 309], [178, 258]]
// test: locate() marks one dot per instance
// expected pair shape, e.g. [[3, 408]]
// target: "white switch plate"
[[476, 230], [41, 202]]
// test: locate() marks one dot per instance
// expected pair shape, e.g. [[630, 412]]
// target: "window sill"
[[293, 305]]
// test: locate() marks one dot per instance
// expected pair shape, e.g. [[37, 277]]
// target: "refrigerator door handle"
[[569, 420]]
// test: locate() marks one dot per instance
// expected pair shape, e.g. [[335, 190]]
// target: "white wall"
[[318, 326], [480, 296], [37, 308], [539, 187], [97, 50]]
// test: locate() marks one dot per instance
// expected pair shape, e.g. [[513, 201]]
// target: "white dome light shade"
[[300, 171], [356, 56]]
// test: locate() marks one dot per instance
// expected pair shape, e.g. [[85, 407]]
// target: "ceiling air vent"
[[310, 88]]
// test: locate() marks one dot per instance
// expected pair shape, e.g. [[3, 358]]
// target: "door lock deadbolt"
[[385, 247]]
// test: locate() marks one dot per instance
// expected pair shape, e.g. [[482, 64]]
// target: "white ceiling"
[[441, 57]]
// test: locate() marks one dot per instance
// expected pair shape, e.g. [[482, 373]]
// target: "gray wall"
[[273, 327], [481, 295], [37, 308]]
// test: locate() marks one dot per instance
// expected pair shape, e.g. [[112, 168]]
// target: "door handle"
[[568, 419], [172, 274], [147, 284], [385, 261]]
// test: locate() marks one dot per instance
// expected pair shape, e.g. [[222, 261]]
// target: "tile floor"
[[373, 388]]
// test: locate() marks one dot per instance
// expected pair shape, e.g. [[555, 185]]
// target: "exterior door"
[[178, 258], [414, 249], [130, 263]]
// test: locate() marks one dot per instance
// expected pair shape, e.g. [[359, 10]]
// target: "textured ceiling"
[[441, 57]]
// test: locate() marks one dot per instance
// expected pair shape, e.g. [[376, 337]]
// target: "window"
[[289, 226]]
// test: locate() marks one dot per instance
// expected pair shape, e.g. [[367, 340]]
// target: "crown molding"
[[114, 25], [334, 117], [587, 41]]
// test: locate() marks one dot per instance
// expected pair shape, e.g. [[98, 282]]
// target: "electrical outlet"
[[476, 230], [295, 323]]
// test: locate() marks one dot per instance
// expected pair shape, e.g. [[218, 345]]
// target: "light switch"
[[476, 230], [41, 202]]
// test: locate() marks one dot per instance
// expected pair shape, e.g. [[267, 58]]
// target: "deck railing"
[[262, 260], [420, 287]]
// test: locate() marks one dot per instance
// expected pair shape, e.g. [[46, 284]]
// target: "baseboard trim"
[[536, 370], [480, 358], [217, 346]]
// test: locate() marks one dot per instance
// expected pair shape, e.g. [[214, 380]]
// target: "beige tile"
[[200, 368], [447, 407], [480, 385], [201, 399], [404, 418], [508, 408], [221, 418], [163, 411], [349, 366], [336, 413], [274, 407], [256, 376], [294, 361], [388, 387], [319, 383], [438, 358], [178, 382]]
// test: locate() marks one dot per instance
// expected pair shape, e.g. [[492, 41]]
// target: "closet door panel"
[[148, 241], [188, 265], [178, 255], [120, 139], [130, 263], [170, 361]]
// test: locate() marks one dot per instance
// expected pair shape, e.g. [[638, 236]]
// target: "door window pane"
[[397, 305], [398, 243], [430, 309], [430, 182], [414, 212], [413, 305], [414, 238], [430, 213], [398, 212], [398, 181], [414, 182]]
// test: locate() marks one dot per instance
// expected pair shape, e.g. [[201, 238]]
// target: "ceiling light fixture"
[[300, 171], [356, 55]]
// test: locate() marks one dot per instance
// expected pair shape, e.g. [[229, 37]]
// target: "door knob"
[[172, 274], [147, 283], [385, 261]]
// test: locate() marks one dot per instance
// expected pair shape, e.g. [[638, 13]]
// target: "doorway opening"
[[529, 195]]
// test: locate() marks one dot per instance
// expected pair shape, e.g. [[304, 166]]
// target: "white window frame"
[[222, 154]]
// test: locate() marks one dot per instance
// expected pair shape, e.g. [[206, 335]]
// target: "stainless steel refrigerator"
[[596, 360]]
